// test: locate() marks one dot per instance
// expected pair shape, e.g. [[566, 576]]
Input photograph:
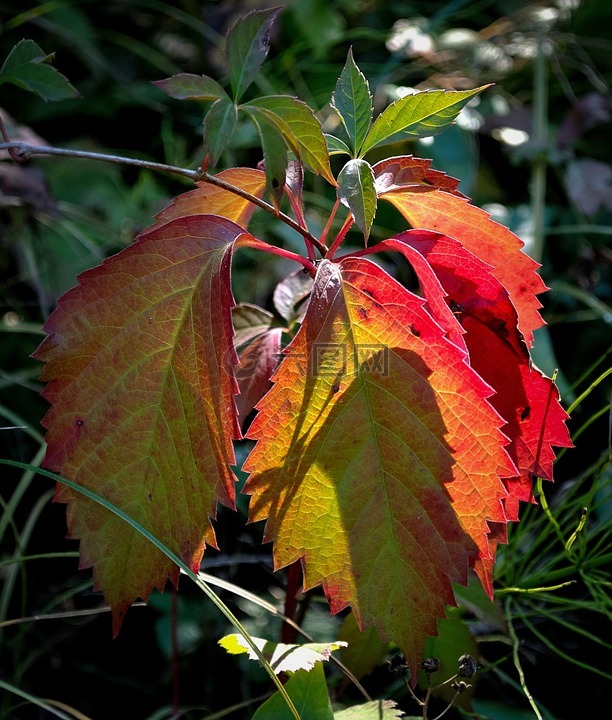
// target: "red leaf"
[[408, 172], [440, 209], [256, 363], [379, 458], [431, 288], [139, 375], [526, 399]]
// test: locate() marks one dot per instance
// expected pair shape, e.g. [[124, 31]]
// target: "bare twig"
[[11, 150], [24, 151], [21, 152]]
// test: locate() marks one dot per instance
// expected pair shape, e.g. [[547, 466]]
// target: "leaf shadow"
[[363, 496]]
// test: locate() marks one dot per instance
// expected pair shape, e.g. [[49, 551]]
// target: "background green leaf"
[[247, 47], [186, 86], [26, 51], [308, 691], [282, 657], [374, 710], [25, 67]]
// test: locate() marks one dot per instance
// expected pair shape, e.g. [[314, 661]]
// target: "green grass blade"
[[36, 701], [174, 558]]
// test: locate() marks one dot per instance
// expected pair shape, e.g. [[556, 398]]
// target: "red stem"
[[294, 587], [250, 241], [340, 236], [328, 225]]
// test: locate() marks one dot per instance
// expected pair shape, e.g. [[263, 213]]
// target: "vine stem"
[[294, 582], [253, 242], [21, 152]]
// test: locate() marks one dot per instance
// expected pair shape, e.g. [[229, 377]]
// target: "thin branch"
[[11, 151], [21, 152], [253, 242], [24, 152]]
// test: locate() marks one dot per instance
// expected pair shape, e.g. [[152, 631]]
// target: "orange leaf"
[[213, 200], [439, 208], [139, 370], [379, 458]]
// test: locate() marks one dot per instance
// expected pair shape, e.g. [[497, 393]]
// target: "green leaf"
[[365, 651], [25, 67], [308, 690], [275, 154], [26, 51], [301, 129], [414, 116], [247, 46], [283, 658], [335, 146], [373, 710], [353, 102], [186, 86], [356, 190], [219, 125]]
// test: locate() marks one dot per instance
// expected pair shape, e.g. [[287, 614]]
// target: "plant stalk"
[[21, 152], [540, 138], [517, 661]]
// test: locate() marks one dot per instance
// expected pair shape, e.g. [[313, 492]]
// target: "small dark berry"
[[467, 666], [430, 665], [398, 664]]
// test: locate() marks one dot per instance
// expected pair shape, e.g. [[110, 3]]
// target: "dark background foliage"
[[60, 216]]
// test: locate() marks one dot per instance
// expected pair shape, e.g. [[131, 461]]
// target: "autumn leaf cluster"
[[395, 429]]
